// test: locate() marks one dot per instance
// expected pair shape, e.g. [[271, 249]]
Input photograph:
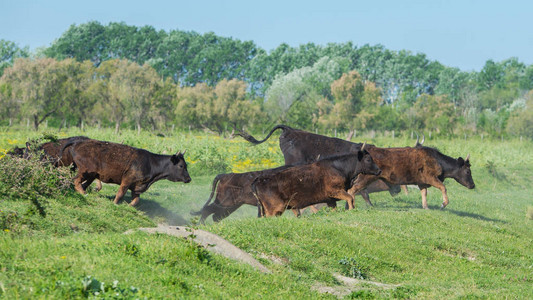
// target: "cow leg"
[[223, 213], [98, 185], [78, 186], [424, 193], [438, 184], [332, 204], [404, 188], [123, 188], [314, 208], [343, 195], [87, 183], [206, 212], [273, 209], [135, 198], [360, 183], [364, 194], [260, 209]]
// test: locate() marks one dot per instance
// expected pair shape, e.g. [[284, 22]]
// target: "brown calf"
[[422, 166], [132, 168], [303, 185]]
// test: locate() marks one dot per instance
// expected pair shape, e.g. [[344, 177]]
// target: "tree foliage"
[[121, 75]]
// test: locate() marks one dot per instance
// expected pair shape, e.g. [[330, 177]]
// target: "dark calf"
[[232, 191]]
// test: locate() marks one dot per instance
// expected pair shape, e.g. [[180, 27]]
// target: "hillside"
[[481, 245]]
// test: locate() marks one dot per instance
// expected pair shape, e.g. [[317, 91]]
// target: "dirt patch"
[[276, 260], [212, 242]]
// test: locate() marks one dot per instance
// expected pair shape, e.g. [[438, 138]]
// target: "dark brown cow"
[[132, 168], [302, 147], [51, 151], [303, 185], [422, 166], [232, 191]]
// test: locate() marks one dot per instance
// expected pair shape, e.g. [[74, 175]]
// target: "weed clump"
[[353, 269]]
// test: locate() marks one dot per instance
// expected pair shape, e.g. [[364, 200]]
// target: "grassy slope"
[[480, 245]]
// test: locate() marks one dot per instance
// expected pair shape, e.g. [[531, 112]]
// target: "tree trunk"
[[138, 127], [62, 124], [117, 127], [350, 135], [35, 122]]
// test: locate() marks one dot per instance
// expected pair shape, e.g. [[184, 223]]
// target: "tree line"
[[121, 75]]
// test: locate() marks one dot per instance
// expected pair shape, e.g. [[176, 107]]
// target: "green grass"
[[480, 246]]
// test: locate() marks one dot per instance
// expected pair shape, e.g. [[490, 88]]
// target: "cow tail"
[[68, 144], [253, 140], [213, 187], [260, 208]]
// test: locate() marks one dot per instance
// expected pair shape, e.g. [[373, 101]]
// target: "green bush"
[[33, 180]]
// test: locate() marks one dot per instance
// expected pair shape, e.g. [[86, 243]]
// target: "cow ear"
[[461, 161], [360, 155], [174, 159]]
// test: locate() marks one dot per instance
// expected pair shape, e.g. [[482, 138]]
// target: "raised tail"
[[213, 187], [253, 140]]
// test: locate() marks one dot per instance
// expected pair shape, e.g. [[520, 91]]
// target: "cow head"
[[463, 174], [366, 164], [16, 152], [178, 169]]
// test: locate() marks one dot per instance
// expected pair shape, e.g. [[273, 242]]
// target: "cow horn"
[[467, 157], [363, 147], [178, 153], [417, 137], [423, 139]]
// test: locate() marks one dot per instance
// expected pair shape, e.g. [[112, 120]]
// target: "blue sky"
[[458, 33]]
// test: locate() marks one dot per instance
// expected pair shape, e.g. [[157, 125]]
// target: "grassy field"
[[480, 246]]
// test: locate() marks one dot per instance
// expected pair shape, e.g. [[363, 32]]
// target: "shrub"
[[33, 180]]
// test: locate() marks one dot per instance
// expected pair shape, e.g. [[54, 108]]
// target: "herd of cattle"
[[318, 169]]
